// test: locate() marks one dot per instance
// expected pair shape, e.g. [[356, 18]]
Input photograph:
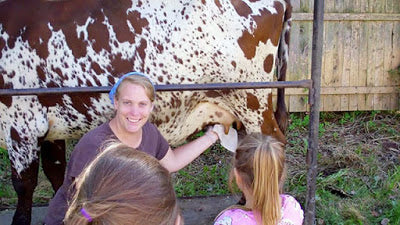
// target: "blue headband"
[[111, 95]]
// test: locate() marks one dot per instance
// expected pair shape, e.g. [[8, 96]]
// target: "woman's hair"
[[141, 80], [260, 162], [123, 186]]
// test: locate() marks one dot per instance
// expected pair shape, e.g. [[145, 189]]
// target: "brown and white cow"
[[74, 43]]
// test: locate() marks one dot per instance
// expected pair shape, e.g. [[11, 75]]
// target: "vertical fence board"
[[356, 6], [348, 5], [339, 6], [354, 62], [396, 6], [379, 73], [295, 6], [363, 6], [371, 55], [387, 52], [377, 6], [395, 63], [298, 103], [337, 65], [329, 6], [345, 58], [389, 6], [396, 46]]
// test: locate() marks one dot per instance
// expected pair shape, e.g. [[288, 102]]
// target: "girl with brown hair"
[[259, 171], [123, 186]]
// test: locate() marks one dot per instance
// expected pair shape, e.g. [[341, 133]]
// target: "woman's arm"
[[178, 158]]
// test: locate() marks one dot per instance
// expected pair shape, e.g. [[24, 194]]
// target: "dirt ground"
[[196, 211]]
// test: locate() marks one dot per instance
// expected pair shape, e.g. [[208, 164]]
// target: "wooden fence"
[[361, 46]]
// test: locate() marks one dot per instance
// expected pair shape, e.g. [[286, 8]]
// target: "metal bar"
[[314, 96], [166, 87]]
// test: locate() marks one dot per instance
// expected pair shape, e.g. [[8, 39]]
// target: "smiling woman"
[[133, 99]]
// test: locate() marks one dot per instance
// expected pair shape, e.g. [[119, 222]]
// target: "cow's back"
[[92, 43]]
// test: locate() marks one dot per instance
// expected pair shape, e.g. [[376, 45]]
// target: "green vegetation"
[[206, 175], [358, 169], [7, 193]]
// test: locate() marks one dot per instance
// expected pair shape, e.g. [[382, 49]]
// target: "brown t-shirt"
[[86, 150]]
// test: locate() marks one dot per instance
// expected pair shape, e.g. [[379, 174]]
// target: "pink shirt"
[[291, 212]]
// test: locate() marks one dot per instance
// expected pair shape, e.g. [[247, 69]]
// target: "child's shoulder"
[[235, 215], [289, 201], [292, 213]]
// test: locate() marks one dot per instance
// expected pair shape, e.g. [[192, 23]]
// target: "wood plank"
[[353, 102], [329, 49], [387, 52], [356, 6], [395, 63], [294, 52], [339, 6], [348, 6], [381, 101], [344, 103], [344, 90], [346, 62], [363, 63], [376, 6], [396, 6], [395, 102], [306, 6], [298, 103], [308, 50], [337, 59], [396, 49], [304, 51], [329, 7], [354, 62], [389, 6], [379, 73], [295, 6], [332, 103], [371, 56], [364, 6], [348, 17]]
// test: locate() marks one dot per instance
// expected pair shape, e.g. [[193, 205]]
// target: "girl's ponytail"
[[266, 184], [260, 161]]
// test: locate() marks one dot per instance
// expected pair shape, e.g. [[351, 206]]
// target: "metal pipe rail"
[[164, 87]]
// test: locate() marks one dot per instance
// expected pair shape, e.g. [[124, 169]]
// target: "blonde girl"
[[259, 172]]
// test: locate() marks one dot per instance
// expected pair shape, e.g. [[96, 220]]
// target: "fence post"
[[315, 92]]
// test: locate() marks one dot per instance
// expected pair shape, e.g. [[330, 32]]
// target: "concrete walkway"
[[196, 211]]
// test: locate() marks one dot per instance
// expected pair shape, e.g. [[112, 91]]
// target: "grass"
[[358, 169]]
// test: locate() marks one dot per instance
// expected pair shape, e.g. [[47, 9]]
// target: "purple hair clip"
[[86, 215]]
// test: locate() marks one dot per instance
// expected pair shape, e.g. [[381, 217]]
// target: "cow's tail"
[[281, 113]]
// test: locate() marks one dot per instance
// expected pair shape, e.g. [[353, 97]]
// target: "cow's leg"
[[281, 113], [24, 184], [54, 162]]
